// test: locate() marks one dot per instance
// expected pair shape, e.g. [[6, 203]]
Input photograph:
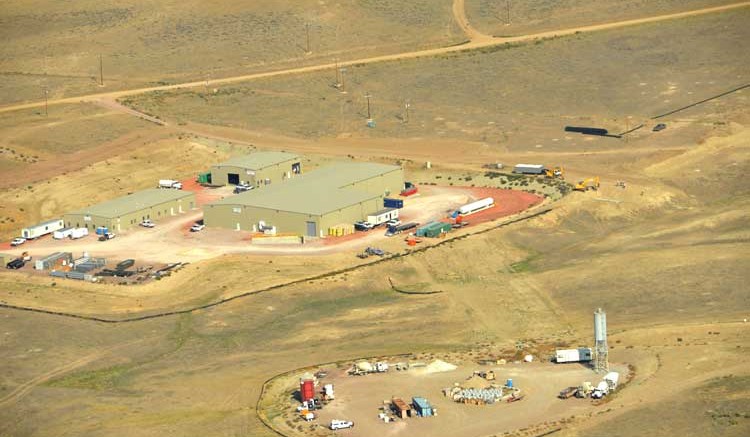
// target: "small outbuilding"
[[256, 169], [401, 408]]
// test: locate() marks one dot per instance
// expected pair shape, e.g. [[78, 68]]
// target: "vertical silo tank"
[[600, 325]]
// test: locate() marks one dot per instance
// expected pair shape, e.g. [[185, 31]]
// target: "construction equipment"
[[557, 172], [588, 184]]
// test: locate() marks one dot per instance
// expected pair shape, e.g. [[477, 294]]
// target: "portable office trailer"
[[42, 229], [382, 216]]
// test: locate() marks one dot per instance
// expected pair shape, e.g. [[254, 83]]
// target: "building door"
[[233, 178], [312, 229]]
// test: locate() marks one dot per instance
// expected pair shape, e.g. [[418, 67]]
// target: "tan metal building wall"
[[129, 220], [244, 217], [276, 173]]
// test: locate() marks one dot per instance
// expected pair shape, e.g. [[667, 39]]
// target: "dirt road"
[[459, 13], [473, 45]]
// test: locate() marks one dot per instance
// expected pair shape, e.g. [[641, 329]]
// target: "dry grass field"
[[148, 43], [666, 257]]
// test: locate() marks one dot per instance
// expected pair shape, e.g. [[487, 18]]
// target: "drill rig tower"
[[601, 350]]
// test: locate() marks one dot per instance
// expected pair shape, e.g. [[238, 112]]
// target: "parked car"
[[107, 236], [659, 127], [17, 241], [393, 222], [341, 424], [241, 188], [363, 226], [197, 227], [147, 223]]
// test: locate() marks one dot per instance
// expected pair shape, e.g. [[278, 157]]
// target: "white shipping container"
[[573, 355], [382, 216], [479, 205], [62, 233], [42, 229]]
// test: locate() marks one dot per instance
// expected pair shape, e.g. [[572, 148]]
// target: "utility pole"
[[507, 4], [338, 78], [343, 80], [101, 71], [46, 93], [407, 105], [307, 33], [369, 115]]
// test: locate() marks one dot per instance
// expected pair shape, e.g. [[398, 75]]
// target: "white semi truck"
[[607, 385]]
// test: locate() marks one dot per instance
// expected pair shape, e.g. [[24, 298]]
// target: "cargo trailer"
[[393, 203], [62, 233], [529, 169], [421, 406], [42, 229], [79, 233], [170, 183], [474, 207], [382, 216], [125, 264], [582, 354], [394, 230]]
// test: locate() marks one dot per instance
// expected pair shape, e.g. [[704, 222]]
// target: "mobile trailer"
[[42, 229], [382, 216]]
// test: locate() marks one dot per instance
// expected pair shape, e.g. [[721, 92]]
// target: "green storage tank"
[[204, 178]]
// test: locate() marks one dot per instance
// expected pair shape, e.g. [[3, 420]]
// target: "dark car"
[[659, 127], [16, 264]]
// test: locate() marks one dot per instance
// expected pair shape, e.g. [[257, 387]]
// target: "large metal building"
[[125, 212], [256, 169], [310, 204]]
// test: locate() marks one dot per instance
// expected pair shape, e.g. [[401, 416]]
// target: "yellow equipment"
[[588, 184], [557, 172]]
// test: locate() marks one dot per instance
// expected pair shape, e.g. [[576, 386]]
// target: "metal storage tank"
[[306, 389]]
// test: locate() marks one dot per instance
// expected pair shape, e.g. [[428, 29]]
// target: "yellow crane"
[[588, 184]]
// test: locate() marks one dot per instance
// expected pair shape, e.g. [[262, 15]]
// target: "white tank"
[[600, 325], [364, 366], [476, 206]]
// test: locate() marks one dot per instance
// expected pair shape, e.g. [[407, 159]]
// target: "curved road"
[[482, 42]]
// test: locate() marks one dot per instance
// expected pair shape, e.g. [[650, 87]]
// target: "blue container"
[[509, 384], [393, 203], [101, 230]]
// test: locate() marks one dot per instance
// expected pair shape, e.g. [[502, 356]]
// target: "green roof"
[[259, 160], [316, 193], [133, 202]]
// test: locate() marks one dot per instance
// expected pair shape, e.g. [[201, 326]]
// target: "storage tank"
[[306, 389], [600, 325], [477, 206], [364, 366]]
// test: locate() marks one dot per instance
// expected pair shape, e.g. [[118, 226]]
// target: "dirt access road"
[[480, 42]]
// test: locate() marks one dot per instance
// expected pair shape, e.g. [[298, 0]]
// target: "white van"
[[341, 424]]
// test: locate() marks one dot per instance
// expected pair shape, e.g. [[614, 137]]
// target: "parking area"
[[171, 240]]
